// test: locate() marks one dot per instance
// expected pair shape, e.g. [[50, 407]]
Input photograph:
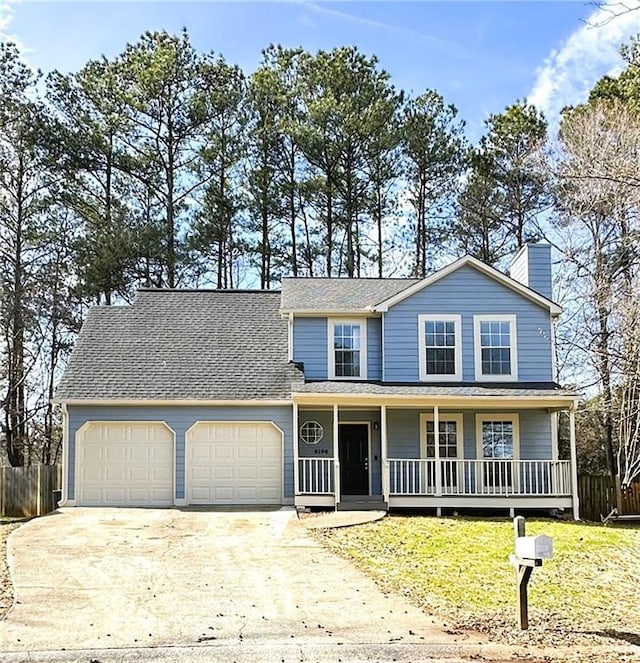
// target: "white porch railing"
[[531, 478], [316, 476]]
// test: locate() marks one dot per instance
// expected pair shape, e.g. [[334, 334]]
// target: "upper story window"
[[440, 347], [347, 348], [496, 356]]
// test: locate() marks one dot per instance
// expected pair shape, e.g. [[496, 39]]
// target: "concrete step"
[[362, 503]]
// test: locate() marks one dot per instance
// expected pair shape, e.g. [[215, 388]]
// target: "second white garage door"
[[234, 463]]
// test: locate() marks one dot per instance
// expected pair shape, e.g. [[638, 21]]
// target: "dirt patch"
[[6, 586]]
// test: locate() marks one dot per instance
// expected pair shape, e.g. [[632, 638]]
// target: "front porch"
[[411, 483], [460, 456]]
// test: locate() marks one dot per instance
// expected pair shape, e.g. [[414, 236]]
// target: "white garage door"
[[234, 463], [124, 464]]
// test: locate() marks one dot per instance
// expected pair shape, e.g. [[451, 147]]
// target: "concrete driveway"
[[121, 578]]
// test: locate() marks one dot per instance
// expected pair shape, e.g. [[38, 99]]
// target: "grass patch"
[[459, 569]]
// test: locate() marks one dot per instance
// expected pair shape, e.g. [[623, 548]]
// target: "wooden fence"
[[29, 491], [599, 495]]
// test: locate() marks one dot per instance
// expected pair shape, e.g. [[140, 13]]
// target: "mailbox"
[[534, 547]]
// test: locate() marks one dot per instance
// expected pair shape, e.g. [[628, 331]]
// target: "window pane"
[[448, 439], [440, 347], [497, 439], [495, 347], [346, 343]]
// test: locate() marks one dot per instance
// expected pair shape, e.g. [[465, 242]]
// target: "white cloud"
[[591, 52], [6, 16]]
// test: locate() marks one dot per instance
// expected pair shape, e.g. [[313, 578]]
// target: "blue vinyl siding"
[[374, 348], [403, 432], [310, 346], [325, 418], [324, 448], [467, 292], [180, 419], [540, 268]]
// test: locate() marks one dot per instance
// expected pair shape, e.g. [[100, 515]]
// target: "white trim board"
[[127, 402], [365, 401]]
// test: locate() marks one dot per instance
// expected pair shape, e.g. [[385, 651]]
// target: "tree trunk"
[[329, 228], [291, 184]]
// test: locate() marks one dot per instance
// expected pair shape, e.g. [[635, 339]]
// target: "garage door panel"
[[222, 473], [201, 473], [116, 475], [234, 463], [115, 496], [221, 452], [248, 473], [125, 464], [248, 453]]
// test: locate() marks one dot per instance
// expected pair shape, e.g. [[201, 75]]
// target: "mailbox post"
[[530, 552]]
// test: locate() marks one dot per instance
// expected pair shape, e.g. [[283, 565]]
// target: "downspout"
[[436, 440], [554, 358], [384, 452], [290, 337], [296, 460], [65, 457], [336, 456]]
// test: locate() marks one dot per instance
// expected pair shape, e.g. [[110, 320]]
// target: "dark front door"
[[354, 459]]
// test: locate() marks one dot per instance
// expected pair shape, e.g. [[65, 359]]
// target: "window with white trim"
[[347, 349], [496, 356], [440, 347], [311, 432], [498, 440], [450, 449], [450, 436]]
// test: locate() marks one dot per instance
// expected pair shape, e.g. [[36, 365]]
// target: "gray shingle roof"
[[338, 295], [183, 345], [540, 390]]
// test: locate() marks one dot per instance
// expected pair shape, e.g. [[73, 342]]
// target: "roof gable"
[[482, 267]]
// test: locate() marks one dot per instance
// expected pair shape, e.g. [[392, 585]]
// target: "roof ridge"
[[351, 278], [209, 290]]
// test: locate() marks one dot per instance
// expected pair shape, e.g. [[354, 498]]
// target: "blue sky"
[[481, 56]]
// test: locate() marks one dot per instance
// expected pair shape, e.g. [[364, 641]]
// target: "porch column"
[[574, 462], [296, 462], [554, 435], [336, 456], [436, 440], [383, 453]]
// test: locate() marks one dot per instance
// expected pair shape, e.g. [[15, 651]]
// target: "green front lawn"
[[458, 568]]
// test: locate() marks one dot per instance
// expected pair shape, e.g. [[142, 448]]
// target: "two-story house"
[[349, 393]]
